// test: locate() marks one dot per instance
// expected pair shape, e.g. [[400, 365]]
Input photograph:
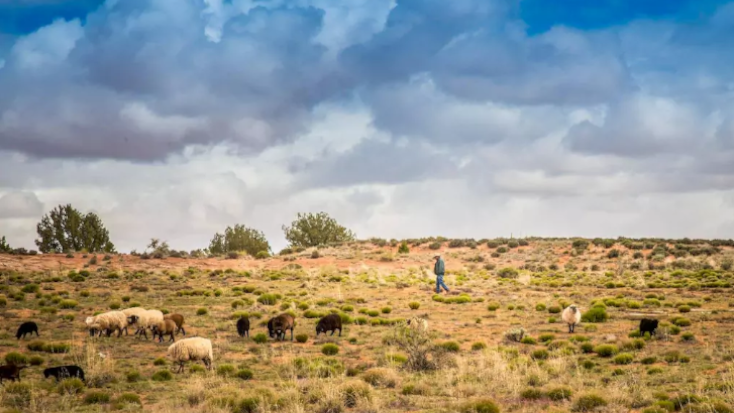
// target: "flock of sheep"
[[199, 348]]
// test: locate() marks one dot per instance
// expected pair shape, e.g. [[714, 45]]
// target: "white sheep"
[[136, 311], [192, 349], [146, 320], [571, 315], [108, 321]]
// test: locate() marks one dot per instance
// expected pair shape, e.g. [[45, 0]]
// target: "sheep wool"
[[110, 320], [192, 349], [571, 315]]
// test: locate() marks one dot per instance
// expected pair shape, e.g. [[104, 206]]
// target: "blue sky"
[[402, 118]]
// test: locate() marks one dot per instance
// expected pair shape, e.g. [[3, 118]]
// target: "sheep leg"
[[37, 334], [340, 332], [291, 333]]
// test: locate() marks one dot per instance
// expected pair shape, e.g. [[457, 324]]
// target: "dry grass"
[[378, 368]]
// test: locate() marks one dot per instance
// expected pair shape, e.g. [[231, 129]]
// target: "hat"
[[437, 256]]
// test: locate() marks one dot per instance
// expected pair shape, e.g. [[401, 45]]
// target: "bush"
[[267, 299], [554, 309], [595, 315], [67, 304], [202, 311], [301, 338], [531, 394], [508, 272], [244, 374], [478, 346], [260, 338], [414, 305], [128, 398], [225, 370], [540, 354], [450, 346], [403, 249], [480, 406], [162, 375], [386, 310], [35, 360], [624, 358], [330, 349], [97, 397], [380, 377], [606, 350], [540, 307], [684, 309], [133, 376], [560, 393], [588, 402], [70, 386], [16, 358]]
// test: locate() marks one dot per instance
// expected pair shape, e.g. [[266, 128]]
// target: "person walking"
[[439, 269]]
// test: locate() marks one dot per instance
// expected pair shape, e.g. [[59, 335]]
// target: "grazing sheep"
[[648, 325], [178, 319], [10, 372], [243, 326], [63, 372], [133, 311], [418, 323], [165, 327], [29, 327], [146, 320], [107, 322], [331, 322], [571, 315], [280, 324], [192, 349]]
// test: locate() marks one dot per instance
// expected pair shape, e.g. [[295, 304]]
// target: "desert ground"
[[478, 358]]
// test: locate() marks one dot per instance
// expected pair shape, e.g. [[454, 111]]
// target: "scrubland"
[[495, 342]]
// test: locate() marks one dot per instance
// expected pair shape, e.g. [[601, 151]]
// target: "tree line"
[[66, 230]]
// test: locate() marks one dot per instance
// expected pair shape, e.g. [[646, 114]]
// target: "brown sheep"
[[179, 320], [166, 327], [280, 324], [10, 372], [331, 322]]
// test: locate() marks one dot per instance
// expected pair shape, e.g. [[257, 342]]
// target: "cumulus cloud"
[[173, 119]]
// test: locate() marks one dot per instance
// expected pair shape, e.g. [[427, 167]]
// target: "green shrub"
[[267, 299], [623, 358], [244, 374], [540, 307], [649, 360], [681, 321], [162, 375], [595, 315], [414, 305], [16, 358], [386, 310], [35, 360], [301, 338], [606, 350], [67, 304], [540, 354], [528, 340], [508, 272], [128, 398], [684, 309], [160, 361], [493, 306], [260, 338], [225, 370], [202, 311], [531, 394], [479, 345], [450, 346], [330, 349], [546, 337], [97, 397], [589, 402], [480, 406], [687, 336], [560, 393], [70, 386], [554, 309], [133, 376]]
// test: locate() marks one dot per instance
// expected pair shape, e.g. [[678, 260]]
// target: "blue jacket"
[[439, 268]]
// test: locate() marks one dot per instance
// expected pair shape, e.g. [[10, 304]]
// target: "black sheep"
[[648, 325], [63, 372], [29, 327], [243, 327], [10, 372], [331, 322]]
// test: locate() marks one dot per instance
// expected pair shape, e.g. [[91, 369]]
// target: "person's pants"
[[439, 284]]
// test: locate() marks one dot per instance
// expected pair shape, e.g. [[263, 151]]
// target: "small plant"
[[386, 310], [202, 311], [540, 307], [606, 350], [162, 375], [481, 406], [479, 345], [588, 402], [244, 374], [67, 304], [330, 349], [493, 306], [301, 338], [97, 397], [450, 346], [260, 338], [16, 358], [623, 358], [70, 386], [559, 393], [531, 394], [595, 315], [414, 305]]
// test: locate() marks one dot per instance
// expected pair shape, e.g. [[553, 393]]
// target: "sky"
[[174, 119]]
